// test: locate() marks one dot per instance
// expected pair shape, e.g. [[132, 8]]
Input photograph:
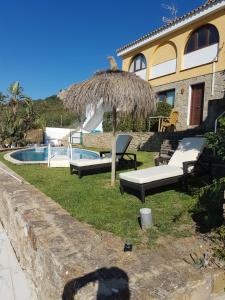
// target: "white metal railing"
[[70, 151], [49, 154], [216, 122]]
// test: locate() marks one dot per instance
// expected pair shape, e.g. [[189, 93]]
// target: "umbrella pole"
[[113, 174]]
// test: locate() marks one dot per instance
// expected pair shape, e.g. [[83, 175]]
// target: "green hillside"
[[53, 114]]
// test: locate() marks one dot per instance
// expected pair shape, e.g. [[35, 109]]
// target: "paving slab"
[[14, 283]]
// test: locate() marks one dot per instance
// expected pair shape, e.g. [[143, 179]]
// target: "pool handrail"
[[71, 152], [49, 150]]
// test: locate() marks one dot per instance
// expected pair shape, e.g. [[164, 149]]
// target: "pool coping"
[[9, 158]]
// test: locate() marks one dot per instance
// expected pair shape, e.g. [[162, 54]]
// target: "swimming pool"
[[40, 154]]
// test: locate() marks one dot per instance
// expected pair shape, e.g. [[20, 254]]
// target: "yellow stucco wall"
[[164, 53], [179, 38]]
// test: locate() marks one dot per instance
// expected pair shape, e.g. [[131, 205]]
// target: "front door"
[[197, 102]]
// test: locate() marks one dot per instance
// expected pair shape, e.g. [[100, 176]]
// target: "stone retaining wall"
[[146, 141], [65, 257]]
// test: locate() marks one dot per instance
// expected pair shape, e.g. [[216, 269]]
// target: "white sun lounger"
[[180, 165], [122, 143]]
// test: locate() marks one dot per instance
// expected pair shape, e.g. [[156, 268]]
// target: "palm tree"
[[17, 115]]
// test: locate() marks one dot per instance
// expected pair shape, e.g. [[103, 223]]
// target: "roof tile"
[[166, 26]]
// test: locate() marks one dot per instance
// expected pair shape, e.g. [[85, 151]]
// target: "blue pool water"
[[41, 154]]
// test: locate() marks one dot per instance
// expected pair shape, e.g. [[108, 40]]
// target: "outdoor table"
[[160, 119]]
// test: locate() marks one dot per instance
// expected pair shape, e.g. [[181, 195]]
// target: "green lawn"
[[92, 200]]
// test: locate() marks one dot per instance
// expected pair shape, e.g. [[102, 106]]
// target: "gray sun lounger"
[[105, 160], [179, 167]]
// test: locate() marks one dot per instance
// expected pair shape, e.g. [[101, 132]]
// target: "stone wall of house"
[[146, 141], [213, 104]]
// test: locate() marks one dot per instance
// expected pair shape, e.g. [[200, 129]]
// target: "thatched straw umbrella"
[[116, 89]]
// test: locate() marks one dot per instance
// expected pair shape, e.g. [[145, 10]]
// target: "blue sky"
[[49, 44]]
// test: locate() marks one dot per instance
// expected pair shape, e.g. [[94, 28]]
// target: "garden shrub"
[[163, 109], [107, 122], [125, 123], [216, 141], [218, 239], [208, 211], [136, 124]]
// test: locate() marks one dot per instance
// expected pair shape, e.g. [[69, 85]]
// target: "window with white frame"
[[204, 36], [202, 47], [167, 96], [138, 63]]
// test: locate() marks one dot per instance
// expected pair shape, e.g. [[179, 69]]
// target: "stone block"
[[218, 284]]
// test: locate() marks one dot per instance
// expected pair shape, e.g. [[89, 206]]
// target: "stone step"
[[14, 283]]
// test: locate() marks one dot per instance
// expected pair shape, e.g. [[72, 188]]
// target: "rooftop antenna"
[[173, 12]]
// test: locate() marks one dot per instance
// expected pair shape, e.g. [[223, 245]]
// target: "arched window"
[[138, 63], [204, 36]]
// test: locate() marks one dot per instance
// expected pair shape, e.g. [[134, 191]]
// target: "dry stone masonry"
[[67, 259], [145, 141]]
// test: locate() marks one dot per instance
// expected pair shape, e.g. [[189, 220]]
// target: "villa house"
[[184, 61]]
